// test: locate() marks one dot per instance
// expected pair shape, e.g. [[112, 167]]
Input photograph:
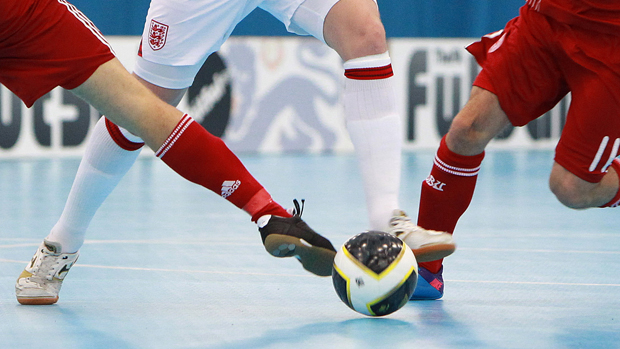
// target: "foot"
[[429, 287], [291, 236], [40, 282], [427, 245]]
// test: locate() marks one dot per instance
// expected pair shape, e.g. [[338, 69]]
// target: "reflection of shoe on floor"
[[427, 245], [430, 286], [40, 282], [288, 237]]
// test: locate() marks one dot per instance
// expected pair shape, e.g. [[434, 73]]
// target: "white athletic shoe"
[[42, 278], [427, 245]]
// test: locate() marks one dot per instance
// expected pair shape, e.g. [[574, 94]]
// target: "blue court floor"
[[168, 264]]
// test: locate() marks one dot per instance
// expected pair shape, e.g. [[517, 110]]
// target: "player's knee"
[[463, 138], [354, 29], [568, 193], [477, 123], [373, 38], [462, 130], [368, 39]]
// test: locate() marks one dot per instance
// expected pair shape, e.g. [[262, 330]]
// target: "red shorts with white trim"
[[534, 62], [47, 43]]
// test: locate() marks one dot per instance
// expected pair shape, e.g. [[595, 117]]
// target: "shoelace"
[[402, 220], [403, 226], [45, 268], [299, 210]]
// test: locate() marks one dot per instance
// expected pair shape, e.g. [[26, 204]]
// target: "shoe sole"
[[317, 260], [37, 300], [434, 252]]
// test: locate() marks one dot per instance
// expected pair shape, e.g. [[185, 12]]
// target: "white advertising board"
[[269, 95]]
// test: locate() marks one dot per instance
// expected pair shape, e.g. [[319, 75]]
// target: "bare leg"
[[119, 96], [476, 124], [576, 193], [170, 96], [353, 28]]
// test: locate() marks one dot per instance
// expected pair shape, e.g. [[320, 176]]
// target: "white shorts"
[[179, 35]]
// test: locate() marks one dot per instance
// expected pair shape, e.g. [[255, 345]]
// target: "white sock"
[[375, 129], [103, 165]]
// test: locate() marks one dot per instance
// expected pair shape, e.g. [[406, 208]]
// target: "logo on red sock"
[[229, 187], [435, 184]]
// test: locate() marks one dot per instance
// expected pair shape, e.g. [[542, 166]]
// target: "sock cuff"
[[119, 138], [265, 208], [183, 124], [371, 67], [371, 61], [375, 73], [258, 202], [456, 164], [615, 202]]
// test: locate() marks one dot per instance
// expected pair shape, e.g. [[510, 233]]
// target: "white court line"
[[529, 250], [20, 245], [18, 239], [145, 242], [300, 275], [166, 270], [256, 243], [186, 270], [171, 242], [531, 283]]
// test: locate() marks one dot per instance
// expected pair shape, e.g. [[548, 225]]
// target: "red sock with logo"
[[447, 192], [204, 159]]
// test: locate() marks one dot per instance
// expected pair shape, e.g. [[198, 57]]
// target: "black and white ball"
[[375, 273]]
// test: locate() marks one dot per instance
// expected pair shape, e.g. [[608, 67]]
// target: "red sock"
[[615, 202], [204, 159], [447, 192]]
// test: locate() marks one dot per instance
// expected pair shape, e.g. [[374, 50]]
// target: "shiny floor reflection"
[[168, 264]]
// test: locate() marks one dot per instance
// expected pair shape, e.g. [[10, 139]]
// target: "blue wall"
[[402, 18]]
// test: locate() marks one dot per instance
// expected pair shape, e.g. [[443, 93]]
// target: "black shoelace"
[[299, 210]]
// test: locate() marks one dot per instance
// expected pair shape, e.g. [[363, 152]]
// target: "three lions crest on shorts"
[[157, 35]]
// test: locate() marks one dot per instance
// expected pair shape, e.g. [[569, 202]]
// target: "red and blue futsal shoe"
[[430, 285]]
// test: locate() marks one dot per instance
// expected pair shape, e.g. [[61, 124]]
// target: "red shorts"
[[535, 62], [47, 43]]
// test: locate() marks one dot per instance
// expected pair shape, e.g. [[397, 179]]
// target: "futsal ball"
[[375, 273]]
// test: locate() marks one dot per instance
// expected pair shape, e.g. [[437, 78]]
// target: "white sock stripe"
[[612, 155], [185, 121], [457, 170], [176, 138], [87, 22], [449, 169], [174, 132]]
